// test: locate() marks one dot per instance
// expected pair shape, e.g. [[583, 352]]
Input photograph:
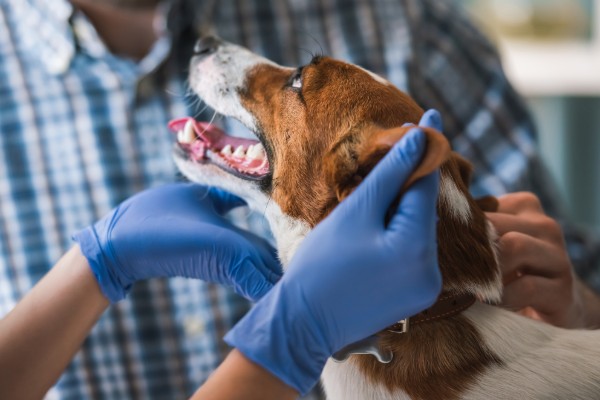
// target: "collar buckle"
[[400, 326]]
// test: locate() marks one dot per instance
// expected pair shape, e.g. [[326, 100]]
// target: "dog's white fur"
[[539, 361], [288, 232], [454, 200]]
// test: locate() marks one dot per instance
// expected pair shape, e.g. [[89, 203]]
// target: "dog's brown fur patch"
[[437, 360], [318, 149], [322, 142]]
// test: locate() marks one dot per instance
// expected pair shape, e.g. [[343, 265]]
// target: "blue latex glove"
[[177, 230], [352, 276]]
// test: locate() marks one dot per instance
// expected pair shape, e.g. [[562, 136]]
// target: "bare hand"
[[539, 280]]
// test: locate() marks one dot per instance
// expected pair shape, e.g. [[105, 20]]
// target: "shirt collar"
[[43, 29], [52, 31]]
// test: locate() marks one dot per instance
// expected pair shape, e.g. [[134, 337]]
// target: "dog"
[[320, 129]]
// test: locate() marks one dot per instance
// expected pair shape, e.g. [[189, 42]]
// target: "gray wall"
[[569, 141]]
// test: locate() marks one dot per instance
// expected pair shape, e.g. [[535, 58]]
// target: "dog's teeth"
[[226, 150], [239, 151], [256, 152], [180, 136], [187, 135]]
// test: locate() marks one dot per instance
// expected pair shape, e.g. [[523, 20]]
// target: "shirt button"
[[59, 64], [145, 88], [194, 326]]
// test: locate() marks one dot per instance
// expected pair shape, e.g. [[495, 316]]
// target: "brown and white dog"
[[321, 128]]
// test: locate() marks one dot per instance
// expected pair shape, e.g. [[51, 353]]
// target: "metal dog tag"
[[369, 345]]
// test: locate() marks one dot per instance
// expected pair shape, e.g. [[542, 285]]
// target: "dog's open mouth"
[[203, 142]]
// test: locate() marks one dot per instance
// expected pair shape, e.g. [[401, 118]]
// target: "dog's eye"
[[297, 82], [296, 79]]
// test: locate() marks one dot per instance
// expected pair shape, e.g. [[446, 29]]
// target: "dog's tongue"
[[211, 136], [246, 156]]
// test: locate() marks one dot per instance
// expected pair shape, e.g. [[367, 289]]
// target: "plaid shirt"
[[81, 130]]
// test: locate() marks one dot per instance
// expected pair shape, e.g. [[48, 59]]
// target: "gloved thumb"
[[375, 194], [417, 207], [431, 119]]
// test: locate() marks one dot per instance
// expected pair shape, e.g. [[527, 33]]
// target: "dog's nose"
[[206, 46]]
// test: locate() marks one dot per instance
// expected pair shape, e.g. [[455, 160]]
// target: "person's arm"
[[239, 378], [539, 279], [162, 232], [39, 337], [322, 304]]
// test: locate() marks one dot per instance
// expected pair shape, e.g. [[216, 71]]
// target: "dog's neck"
[[288, 232], [446, 306], [467, 255]]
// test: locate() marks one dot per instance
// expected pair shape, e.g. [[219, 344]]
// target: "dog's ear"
[[376, 144], [465, 168]]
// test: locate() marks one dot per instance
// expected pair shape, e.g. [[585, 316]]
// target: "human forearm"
[[251, 382], [41, 334]]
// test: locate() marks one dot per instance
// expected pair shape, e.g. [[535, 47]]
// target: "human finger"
[[522, 254], [504, 223], [543, 295], [519, 203]]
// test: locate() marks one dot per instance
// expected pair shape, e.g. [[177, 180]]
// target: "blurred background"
[[551, 53]]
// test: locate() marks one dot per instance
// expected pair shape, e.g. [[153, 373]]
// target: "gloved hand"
[[177, 230], [352, 276]]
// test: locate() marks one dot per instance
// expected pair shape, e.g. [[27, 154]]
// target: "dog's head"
[[321, 128]]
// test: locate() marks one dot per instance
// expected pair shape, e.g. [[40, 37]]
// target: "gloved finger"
[[168, 196], [431, 119], [175, 197], [224, 201], [269, 268], [373, 196], [247, 279], [262, 249], [417, 207]]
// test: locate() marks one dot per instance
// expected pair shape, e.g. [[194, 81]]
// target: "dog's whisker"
[[311, 53], [197, 114], [275, 184], [175, 93]]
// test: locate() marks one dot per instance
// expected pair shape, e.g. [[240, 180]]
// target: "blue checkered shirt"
[[82, 129]]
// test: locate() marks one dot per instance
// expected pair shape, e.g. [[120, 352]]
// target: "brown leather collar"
[[447, 305]]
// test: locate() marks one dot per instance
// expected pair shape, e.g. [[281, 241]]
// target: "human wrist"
[[252, 382], [286, 343], [111, 284]]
